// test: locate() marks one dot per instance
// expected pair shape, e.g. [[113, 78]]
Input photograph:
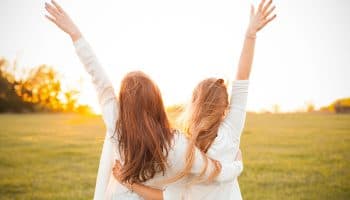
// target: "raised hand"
[[261, 17], [59, 17]]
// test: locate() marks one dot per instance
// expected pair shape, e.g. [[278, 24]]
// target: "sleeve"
[[168, 194], [109, 108], [174, 191], [104, 89], [229, 170], [104, 169], [231, 128]]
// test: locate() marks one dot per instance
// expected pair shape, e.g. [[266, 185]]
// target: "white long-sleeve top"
[[223, 149], [106, 186]]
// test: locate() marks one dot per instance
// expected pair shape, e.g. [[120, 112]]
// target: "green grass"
[[296, 156], [286, 156]]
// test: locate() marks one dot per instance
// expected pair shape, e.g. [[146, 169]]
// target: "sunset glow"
[[300, 58]]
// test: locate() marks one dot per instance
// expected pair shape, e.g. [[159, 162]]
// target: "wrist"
[[76, 35], [251, 34]]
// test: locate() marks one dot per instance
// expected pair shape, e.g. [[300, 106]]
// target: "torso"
[[117, 191]]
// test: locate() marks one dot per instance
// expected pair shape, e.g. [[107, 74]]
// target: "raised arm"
[[258, 20], [106, 97], [86, 55], [231, 129]]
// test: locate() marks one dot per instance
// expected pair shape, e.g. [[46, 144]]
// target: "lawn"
[[286, 156]]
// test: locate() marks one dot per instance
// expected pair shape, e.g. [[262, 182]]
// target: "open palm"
[[59, 17], [261, 17]]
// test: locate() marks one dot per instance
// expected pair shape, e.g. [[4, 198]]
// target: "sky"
[[301, 57]]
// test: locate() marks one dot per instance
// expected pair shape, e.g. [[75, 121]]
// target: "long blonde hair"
[[201, 121]]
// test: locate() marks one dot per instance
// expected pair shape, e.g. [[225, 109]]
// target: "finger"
[[252, 10], [53, 11], [50, 7], [53, 20], [267, 21], [266, 6], [59, 8], [261, 5], [269, 12]]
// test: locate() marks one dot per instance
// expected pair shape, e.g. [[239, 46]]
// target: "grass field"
[[286, 156]]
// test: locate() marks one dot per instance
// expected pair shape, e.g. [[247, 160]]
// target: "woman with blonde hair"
[[215, 126], [138, 131]]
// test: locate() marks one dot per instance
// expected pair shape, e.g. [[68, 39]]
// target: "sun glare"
[[180, 43]]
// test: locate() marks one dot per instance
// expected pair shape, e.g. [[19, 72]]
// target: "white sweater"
[[223, 149], [106, 186]]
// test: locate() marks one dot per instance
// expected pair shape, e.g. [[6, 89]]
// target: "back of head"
[[207, 108], [201, 122], [143, 129]]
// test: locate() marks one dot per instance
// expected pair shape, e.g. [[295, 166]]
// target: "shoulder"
[[110, 114], [222, 141], [179, 144], [179, 139]]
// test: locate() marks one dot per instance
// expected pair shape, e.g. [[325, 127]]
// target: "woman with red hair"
[[138, 131], [213, 125]]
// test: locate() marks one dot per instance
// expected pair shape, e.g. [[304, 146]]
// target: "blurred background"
[[296, 142]]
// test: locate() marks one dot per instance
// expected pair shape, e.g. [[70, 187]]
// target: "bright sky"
[[303, 56]]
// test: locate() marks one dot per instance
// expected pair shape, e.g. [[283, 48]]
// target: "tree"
[[310, 107], [38, 89], [10, 101], [42, 88], [338, 106]]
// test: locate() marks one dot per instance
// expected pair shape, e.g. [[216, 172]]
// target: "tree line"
[[338, 106], [35, 90]]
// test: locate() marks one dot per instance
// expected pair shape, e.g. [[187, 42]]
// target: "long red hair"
[[143, 130]]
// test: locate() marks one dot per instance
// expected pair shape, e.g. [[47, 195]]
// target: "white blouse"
[[106, 186], [223, 149]]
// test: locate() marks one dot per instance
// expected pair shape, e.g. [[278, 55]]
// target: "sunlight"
[[180, 43]]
